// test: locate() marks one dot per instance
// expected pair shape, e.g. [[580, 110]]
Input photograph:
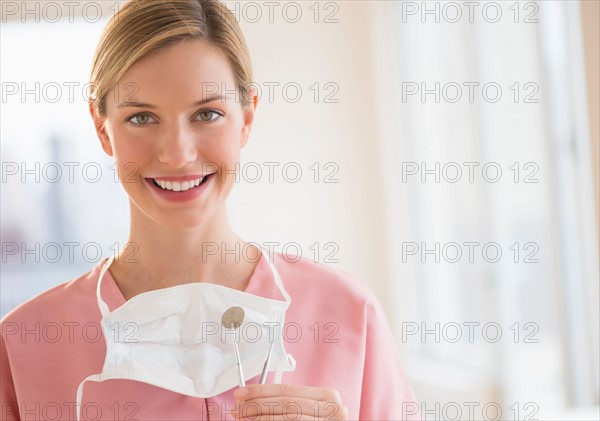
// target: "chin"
[[180, 222], [191, 217]]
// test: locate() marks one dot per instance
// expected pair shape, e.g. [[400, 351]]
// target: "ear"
[[100, 126], [249, 111]]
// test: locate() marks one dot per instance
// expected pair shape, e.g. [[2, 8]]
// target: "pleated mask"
[[173, 338]]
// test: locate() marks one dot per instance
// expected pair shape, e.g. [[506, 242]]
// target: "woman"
[[173, 105]]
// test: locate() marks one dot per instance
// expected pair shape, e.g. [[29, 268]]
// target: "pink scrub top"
[[335, 329]]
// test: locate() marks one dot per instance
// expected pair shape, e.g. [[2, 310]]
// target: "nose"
[[177, 146]]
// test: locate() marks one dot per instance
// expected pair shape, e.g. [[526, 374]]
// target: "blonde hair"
[[144, 26]]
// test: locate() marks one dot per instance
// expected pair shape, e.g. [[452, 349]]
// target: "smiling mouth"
[[180, 186]]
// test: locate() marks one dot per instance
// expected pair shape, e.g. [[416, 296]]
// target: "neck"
[[160, 257]]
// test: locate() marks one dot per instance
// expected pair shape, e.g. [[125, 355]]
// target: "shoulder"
[[53, 304], [305, 276]]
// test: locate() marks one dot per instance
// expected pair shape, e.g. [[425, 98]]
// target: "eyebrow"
[[195, 104]]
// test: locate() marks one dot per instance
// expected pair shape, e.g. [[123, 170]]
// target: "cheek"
[[224, 146], [129, 146], [131, 154]]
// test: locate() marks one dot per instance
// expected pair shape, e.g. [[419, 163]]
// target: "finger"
[[253, 391], [278, 418], [341, 417], [286, 418], [292, 408]]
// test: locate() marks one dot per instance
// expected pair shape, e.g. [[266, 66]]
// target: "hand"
[[275, 402]]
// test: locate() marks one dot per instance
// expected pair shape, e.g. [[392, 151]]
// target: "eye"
[[208, 115], [141, 119]]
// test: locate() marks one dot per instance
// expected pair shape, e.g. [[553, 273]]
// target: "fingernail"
[[241, 393]]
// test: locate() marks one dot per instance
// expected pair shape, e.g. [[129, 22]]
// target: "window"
[[494, 167]]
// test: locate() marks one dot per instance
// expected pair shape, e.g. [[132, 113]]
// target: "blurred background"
[[445, 153]]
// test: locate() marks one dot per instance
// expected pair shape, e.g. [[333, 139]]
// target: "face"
[[175, 128]]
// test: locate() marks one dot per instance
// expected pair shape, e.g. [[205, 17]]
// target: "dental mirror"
[[232, 319], [263, 376]]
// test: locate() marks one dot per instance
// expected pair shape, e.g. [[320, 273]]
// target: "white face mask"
[[173, 338]]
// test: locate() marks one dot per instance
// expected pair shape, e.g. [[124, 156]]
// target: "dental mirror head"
[[233, 317]]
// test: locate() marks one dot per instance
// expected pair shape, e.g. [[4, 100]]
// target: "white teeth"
[[177, 186]]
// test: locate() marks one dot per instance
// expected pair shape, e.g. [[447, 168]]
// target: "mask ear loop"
[[279, 373], [78, 399], [290, 360], [104, 310], [278, 376], [278, 280]]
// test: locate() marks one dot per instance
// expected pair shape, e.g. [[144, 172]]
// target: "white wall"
[[348, 134]]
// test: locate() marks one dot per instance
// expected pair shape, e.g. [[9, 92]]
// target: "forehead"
[[188, 70]]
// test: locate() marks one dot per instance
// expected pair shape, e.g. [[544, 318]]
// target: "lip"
[[186, 196], [177, 178]]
